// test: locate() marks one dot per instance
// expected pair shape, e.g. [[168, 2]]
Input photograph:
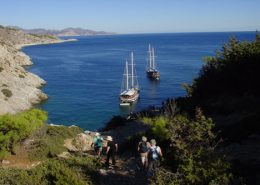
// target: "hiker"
[[112, 148], [97, 143], [154, 155], [143, 147]]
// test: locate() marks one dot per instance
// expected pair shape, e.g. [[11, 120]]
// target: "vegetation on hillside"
[[15, 128], [43, 143], [48, 141], [44, 36], [234, 70], [189, 147], [230, 81], [72, 171]]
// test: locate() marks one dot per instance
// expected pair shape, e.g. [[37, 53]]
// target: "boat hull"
[[129, 99], [153, 75]]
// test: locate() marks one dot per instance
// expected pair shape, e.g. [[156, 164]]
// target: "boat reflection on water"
[[153, 88], [128, 109]]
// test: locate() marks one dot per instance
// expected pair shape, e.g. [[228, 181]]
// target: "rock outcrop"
[[19, 89]]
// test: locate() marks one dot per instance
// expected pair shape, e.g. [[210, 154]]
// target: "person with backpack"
[[98, 144], [143, 147], [154, 155], [112, 148]]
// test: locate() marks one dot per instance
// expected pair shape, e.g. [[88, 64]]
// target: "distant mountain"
[[67, 32]]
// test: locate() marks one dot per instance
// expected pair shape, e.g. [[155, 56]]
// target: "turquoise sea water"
[[84, 77]]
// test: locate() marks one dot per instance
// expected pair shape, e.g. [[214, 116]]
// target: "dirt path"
[[126, 172], [20, 160]]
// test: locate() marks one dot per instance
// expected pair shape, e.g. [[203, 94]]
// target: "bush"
[[158, 126], [74, 171], [192, 148], [7, 93], [49, 141], [15, 128], [234, 71]]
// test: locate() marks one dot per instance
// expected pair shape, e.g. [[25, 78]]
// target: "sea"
[[84, 77]]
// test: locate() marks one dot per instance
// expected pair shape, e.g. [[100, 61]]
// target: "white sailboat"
[[130, 88], [151, 70]]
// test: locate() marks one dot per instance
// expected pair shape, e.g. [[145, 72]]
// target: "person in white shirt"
[[154, 155]]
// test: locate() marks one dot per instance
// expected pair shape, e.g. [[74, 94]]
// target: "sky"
[[134, 16]]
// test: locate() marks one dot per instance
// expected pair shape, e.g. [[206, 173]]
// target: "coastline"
[[20, 90], [20, 46]]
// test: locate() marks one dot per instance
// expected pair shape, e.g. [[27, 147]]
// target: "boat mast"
[[150, 57], [132, 61], [126, 71], [153, 64]]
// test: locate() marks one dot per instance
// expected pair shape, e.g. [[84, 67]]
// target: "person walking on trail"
[[98, 144], [112, 148], [143, 148], [154, 155]]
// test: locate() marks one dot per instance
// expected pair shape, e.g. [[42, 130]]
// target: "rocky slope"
[[19, 89]]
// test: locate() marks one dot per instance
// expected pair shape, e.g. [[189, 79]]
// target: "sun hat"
[[109, 138], [144, 139], [97, 134]]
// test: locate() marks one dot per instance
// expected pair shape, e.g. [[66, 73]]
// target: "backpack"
[[143, 147], [153, 154], [112, 145], [99, 142]]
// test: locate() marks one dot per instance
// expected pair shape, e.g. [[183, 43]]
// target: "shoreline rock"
[[19, 89]]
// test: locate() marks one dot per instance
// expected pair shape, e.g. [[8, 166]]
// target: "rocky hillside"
[[17, 37], [67, 32], [19, 89]]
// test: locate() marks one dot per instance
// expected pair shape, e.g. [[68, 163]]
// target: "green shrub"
[[7, 93], [74, 171], [234, 71], [15, 128], [49, 141], [1, 69], [191, 153], [158, 126]]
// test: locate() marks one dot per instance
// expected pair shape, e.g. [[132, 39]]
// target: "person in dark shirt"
[[143, 148], [112, 148]]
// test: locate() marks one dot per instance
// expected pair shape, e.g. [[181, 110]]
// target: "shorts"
[[144, 157], [97, 148]]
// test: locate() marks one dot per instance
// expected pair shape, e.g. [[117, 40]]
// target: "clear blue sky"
[[134, 16]]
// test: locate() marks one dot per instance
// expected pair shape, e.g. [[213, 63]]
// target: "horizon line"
[[128, 33]]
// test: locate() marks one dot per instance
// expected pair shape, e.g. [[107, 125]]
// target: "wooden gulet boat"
[[151, 70], [130, 87]]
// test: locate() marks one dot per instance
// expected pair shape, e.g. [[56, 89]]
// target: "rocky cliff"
[[19, 89]]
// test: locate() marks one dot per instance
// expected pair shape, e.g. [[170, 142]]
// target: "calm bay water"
[[84, 77]]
